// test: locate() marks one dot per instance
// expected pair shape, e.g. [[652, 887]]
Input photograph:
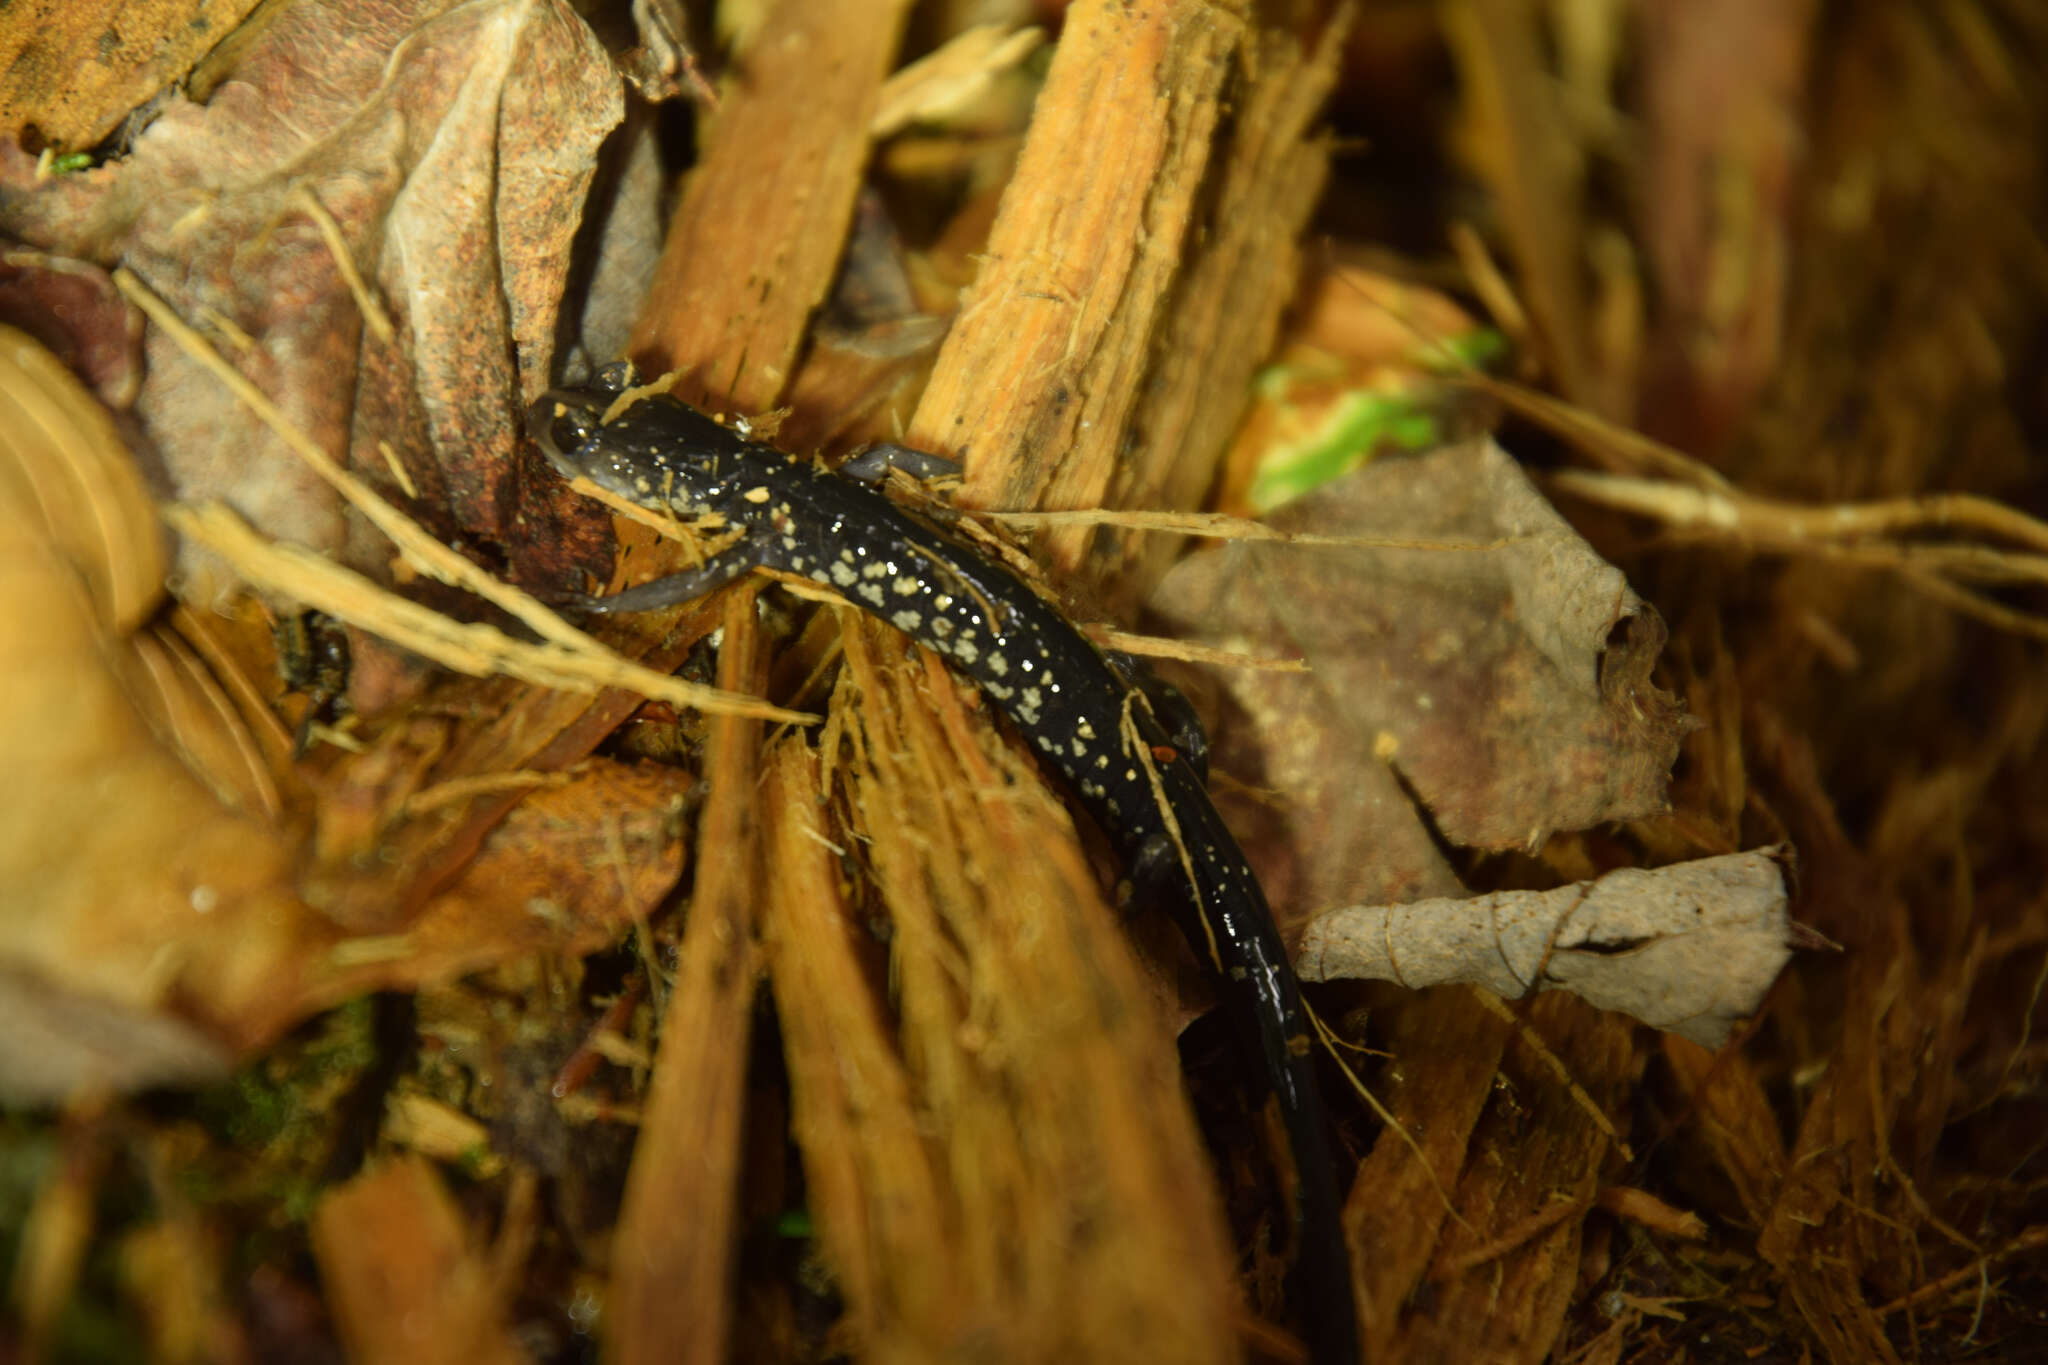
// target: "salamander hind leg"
[[1155, 872]]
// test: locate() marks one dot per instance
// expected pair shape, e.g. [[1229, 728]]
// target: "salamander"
[[1077, 709]]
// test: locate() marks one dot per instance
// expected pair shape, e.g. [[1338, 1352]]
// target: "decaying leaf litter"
[[458, 842]]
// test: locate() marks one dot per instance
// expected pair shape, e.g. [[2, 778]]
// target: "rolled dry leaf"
[[1689, 948]]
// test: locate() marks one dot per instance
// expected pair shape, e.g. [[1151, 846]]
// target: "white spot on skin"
[[999, 691], [877, 569], [944, 601], [842, 575], [1080, 748], [964, 650], [907, 621], [998, 665], [907, 586], [941, 627], [1085, 730], [872, 594], [757, 495]]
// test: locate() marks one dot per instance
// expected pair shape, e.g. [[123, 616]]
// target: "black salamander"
[[1081, 715]]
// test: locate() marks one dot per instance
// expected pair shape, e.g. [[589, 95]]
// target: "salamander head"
[[561, 422], [657, 451]]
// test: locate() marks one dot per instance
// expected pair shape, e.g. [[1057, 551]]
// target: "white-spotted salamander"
[[1082, 715]]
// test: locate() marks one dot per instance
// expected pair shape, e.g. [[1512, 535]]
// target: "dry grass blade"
[[1612, 445], [1788, 525], [467, 647], [1854, 533], [952, 76], [420, 549], [1220, 526]]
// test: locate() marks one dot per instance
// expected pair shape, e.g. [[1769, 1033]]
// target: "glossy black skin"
[[1076, 710], [313, 658]]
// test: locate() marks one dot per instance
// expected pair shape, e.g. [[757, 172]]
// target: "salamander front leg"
[[675, 588], [1171, 708]]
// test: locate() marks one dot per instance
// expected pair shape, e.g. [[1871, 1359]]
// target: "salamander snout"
[[561, 421]]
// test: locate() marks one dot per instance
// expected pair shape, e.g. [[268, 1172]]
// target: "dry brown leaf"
[[73, 309], [568, 869], [450, 148], [405, 1278], [1501, 676]]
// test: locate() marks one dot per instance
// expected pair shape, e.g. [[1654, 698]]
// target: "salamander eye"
[[561, 421], [615, 378]]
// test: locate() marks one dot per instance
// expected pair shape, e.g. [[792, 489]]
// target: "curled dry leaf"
[[1477, 657], [65, 464], [127, 891], [1689, 948]]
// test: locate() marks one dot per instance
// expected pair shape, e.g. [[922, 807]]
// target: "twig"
[[467, 647], [577, 662]]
